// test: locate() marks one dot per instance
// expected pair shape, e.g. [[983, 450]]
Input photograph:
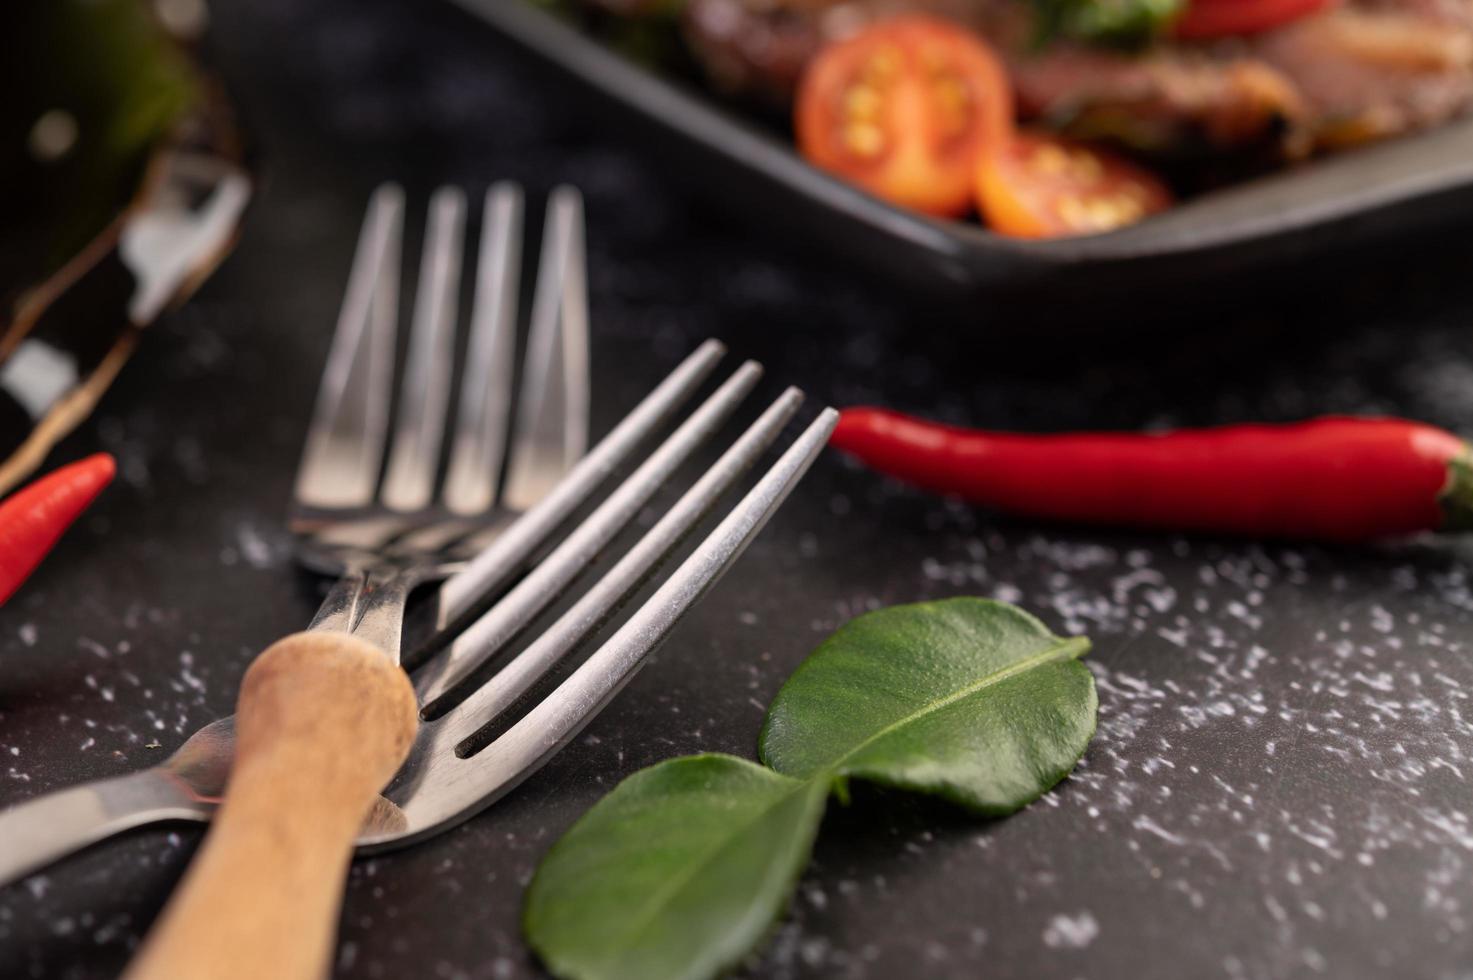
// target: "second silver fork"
[[384, 539]]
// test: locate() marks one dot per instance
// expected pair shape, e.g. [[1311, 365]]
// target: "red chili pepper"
[[1335, 478], [33, 518]]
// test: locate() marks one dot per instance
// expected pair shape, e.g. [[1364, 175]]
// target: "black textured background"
[[1278, 785]]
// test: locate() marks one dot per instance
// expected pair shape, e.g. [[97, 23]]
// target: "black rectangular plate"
[[1368, 196]]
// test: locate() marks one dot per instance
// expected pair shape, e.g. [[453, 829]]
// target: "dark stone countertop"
[[1277, 786]]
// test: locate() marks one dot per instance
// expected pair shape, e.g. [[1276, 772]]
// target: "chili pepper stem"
[[1456, 498]]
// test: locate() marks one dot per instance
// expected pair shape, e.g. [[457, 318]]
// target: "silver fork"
[[385, 539], [325, 719]]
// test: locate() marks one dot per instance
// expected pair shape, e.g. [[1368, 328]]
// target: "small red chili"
[[33, 518], [1334, 478]]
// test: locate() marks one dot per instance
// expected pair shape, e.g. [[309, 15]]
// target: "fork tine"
[[414, 458], [493, 567], [485, 398], [552, 414], [544, 583], [556, 720], [487, 703], [345, 442]]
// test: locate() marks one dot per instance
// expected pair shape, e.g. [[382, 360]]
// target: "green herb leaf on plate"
[[677, 873], [1109, 23], [969, 699]]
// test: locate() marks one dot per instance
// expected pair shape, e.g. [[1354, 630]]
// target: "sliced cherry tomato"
[[1204, 19], [1041, 186], [902, 109]]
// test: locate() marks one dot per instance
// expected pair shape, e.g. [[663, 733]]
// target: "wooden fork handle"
[[323, 723]]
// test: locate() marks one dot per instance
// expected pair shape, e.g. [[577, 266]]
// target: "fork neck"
[[369, 603]]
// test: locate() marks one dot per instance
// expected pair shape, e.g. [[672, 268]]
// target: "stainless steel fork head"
[[346, 519], [450, 776]]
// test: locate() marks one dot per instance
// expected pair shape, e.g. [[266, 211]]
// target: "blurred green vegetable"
[[1116, 23]]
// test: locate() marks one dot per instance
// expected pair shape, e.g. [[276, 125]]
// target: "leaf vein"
[[1071, 648]]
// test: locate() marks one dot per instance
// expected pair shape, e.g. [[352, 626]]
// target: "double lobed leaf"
[[681, 869]]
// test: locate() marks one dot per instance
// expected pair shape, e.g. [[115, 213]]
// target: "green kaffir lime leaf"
[[969, 699], [677, 873]]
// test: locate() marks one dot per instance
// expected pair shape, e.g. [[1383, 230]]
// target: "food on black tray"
[[1201, 91]]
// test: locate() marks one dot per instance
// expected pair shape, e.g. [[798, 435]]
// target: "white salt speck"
[[93, 647], [1005, 592], [1071, 932], [813, 951], [253, 547]]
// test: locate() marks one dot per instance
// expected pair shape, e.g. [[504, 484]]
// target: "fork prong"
[[345, 442], [415, 455], [494, 567], [488, 775], [552, 412], [483, 638], [487, 703], [485, 395]]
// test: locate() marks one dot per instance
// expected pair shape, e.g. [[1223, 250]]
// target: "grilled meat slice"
[[1366, 74], [1168, 101], [759, 47]]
